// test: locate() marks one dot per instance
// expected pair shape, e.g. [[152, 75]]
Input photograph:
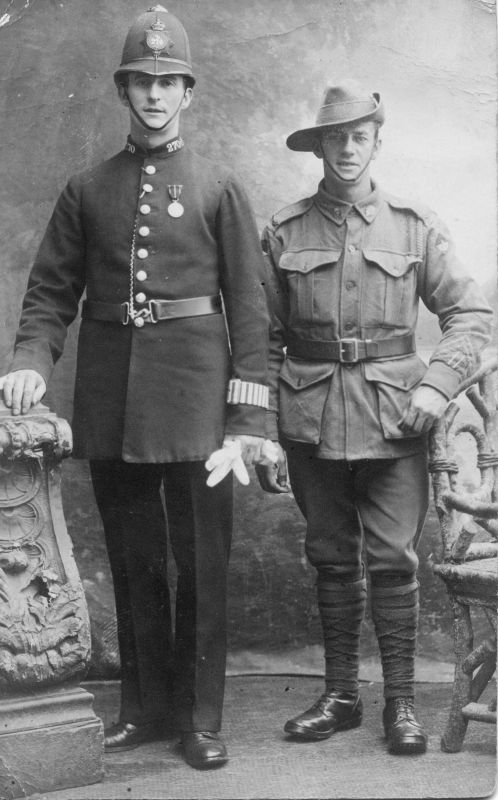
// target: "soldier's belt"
[[154, 310], [350, 351]]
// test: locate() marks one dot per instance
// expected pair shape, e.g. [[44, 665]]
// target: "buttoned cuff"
[[443, 378]]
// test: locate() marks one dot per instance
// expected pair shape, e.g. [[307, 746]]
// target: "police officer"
[[352, 402], [159, 237]]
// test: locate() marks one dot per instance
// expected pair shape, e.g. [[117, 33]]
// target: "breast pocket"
[[394, 381], [390, 294], [313, 284], [303, 392]]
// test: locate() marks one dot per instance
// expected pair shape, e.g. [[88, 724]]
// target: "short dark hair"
[[377, 126], [124, 79]]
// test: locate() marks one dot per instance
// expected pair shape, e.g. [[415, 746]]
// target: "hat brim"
[[303, 140], [156, 67]]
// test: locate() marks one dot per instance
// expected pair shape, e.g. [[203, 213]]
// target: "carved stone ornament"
[[44, 625]]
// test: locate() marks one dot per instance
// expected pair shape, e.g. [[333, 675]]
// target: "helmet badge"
[[157, 38]]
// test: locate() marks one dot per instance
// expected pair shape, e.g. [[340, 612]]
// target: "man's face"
[[156, 97], [348, 149]]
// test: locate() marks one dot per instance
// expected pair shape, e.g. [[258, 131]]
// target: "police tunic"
[[357, 271], [155, 393]]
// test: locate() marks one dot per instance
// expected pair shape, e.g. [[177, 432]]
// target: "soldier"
[[352, 402], [157, 236]]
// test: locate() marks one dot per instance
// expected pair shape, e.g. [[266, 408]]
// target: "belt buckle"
[[152, 312], [125, 313], [146, 313], [345, 354]]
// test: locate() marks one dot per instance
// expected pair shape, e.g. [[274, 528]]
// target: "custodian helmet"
[[156, 44]]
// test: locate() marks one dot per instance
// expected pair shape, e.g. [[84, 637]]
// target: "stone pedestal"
[[50, 737]]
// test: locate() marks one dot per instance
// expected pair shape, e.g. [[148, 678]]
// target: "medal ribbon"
[[174, 191]]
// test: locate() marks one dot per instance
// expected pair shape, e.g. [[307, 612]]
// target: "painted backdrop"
[[262, 67]]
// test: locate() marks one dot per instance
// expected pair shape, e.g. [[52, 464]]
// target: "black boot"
[[204, 749], [333, 711], [126, 736], [404, 734], [395, 613]]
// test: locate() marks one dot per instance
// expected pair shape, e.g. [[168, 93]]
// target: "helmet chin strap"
[[143, 122]]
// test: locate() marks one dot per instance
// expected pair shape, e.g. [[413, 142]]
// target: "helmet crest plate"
[[158, 41]]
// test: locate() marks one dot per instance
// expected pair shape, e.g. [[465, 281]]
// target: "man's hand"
[[250, 446], [272, 469], [22, 389], [425, 407]]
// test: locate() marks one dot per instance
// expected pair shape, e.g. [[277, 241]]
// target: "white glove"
[[223, 460], [269, 453]]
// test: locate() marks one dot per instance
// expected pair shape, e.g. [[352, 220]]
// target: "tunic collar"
[[337, 210], [169, 148]]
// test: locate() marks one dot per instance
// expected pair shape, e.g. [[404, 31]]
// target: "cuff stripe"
[[252, 394]]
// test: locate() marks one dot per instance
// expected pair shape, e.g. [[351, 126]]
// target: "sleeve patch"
[[442, 244]]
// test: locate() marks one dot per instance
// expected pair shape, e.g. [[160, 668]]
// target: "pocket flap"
[[403, 373], [307, 260], [301, 374], [395, 264]]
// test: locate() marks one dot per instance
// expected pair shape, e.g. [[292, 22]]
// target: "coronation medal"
[[175, 208]]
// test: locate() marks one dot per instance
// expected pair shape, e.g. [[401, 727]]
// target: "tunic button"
[[138, 322], [141, 275], [140, 297], [142, 252], [352, 248], [145, 209], [150, 169], [147, 187], [350, 285], [144, 230], [349, 326]]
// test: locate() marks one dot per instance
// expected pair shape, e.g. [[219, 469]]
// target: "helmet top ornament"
[[157, 38], [156, 44]]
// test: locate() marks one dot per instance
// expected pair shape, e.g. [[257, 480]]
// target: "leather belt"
[[350, 351], [154, 310]]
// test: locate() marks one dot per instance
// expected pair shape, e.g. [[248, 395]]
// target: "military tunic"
[[155, 393], [336, 271]]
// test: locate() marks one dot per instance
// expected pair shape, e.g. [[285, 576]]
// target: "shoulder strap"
[[292, 211]]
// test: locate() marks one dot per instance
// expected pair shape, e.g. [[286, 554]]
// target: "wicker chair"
[[469, 567]]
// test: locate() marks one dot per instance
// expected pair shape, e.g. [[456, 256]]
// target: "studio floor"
[[265, 765]]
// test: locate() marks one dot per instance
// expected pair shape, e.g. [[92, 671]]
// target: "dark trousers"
[[381, 501], [162, 669]]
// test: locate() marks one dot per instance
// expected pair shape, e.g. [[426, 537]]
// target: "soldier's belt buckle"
[[125, 313], [348, 353]]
